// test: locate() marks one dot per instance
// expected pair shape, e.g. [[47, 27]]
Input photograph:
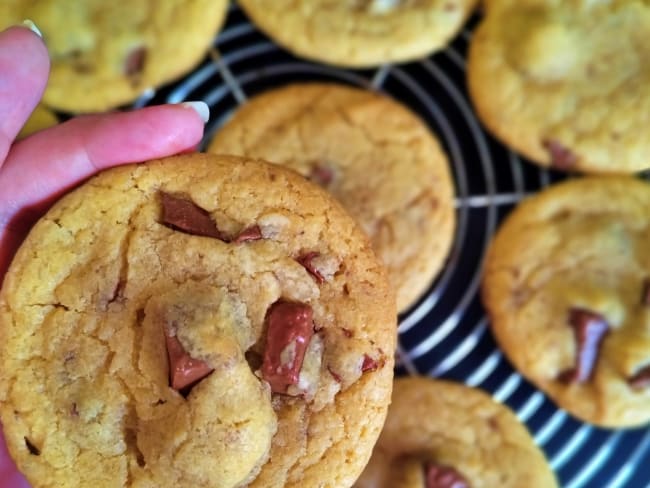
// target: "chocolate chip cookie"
[[195, 321], [567, 287], [567, 84], [440, 434], [360, 33], [106, 54], [373, 154]]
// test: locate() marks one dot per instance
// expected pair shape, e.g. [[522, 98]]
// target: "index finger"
[[24, 64], [10, 477]]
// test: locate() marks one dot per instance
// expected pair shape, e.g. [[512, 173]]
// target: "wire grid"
[[446, 333]]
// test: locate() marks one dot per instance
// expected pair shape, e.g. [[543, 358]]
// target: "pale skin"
[[37, 170]]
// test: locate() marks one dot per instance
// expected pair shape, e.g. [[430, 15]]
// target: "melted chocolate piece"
[[438, 476], [322, 175], [306, 261], [134, 62], [369, 364], [33, 450], [335, 375], [641, 379], [249, 234], [645, 294], [561, 157], [184, 371], [290, 328], [590, 329], [185, 216]]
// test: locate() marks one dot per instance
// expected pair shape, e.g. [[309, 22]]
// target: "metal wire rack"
[[447, 333]]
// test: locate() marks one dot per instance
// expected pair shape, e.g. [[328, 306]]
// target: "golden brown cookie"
[[440, 434], [195, 321], [41, 118], [567, 287], [360, 33], [374, 155], [567, 84], [106, 54]]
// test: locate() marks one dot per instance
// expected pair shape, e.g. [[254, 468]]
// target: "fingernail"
[[200, 108], [32, 27]]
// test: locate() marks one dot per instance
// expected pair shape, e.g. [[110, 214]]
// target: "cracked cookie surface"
[[374, 155], [360, 33], [444, 434], [159, 327], [566, 83], [106, 54], [567, 287]]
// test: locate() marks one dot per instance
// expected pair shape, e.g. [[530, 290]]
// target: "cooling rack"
[[446, 334]]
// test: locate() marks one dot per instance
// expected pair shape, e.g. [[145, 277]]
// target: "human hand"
[[37, 170]]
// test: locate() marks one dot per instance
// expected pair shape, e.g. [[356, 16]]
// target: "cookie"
[[195, 321], [374, 155], [566, 84], [567, 288], [106, 54], [41, 118], [442, 434], [360, 33]]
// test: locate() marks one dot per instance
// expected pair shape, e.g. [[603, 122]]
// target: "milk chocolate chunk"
[[184, 371], [290, 327], [369, 364], [306, 261], [33, 450], [438, 476], [335, 375], [641, 379], [561, 157], [252, 233], [322, 175], [590, 329], [134, 62], [183, 215]]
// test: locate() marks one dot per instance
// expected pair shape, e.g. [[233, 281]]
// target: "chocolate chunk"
[[290, 327], [184, 371], [306, 261], [183, 215], [590, 329], [134, 62], [254, 359], [33, 450], [438, 476], [249, 234], [78, 62], [641, 379], [370, 364], [645, 294], [561, 157], [336, 376], [322, 174]]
